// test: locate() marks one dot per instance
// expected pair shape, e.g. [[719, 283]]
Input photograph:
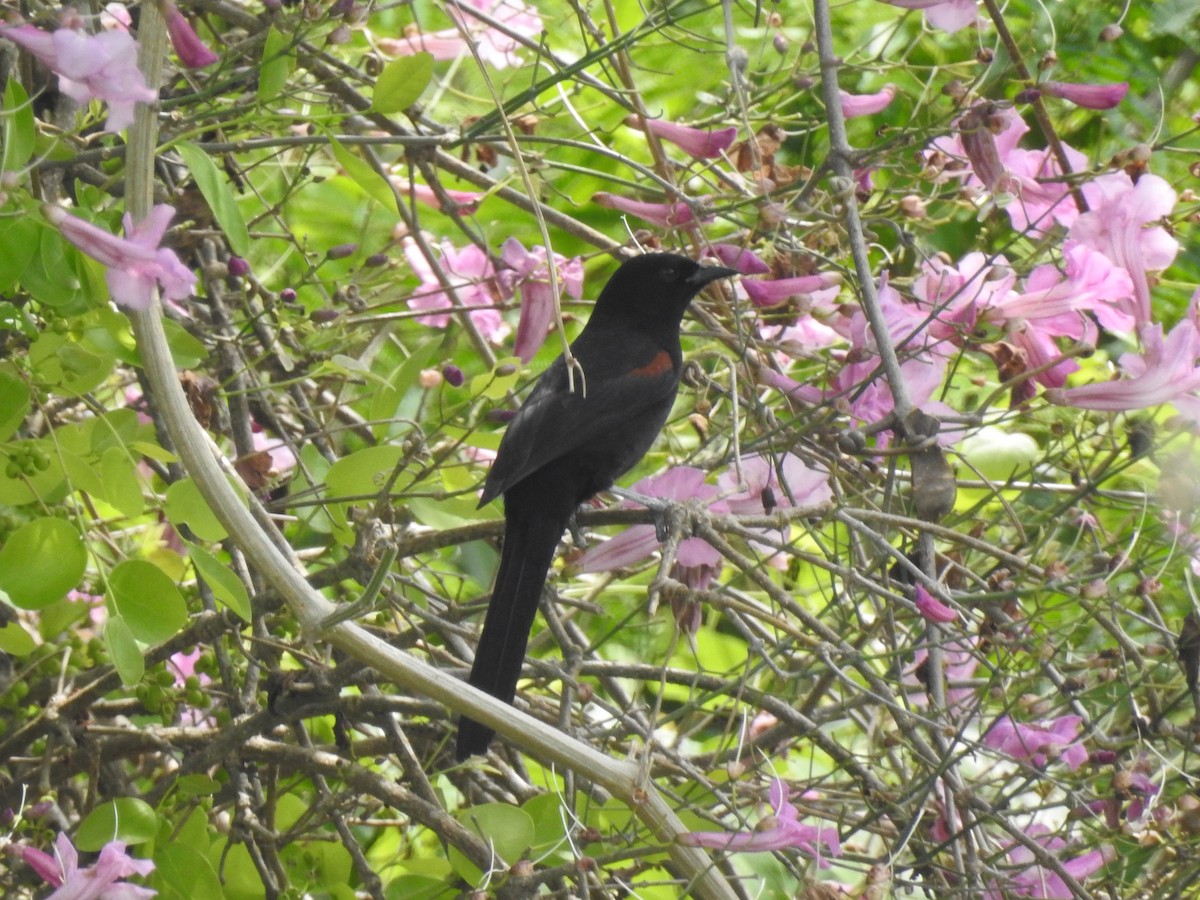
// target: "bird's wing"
[[554, 421]]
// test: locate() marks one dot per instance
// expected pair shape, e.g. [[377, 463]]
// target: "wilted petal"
[[932, 608], [779, 290], [778, 831], [740, 258], [702, 143], [466, 201], [632, 545], [867, 104], [667, 215], [1037, 743], [1089, 96], [537, 314], [49, 869], [192, 51]]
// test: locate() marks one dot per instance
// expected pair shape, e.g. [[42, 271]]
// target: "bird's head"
[[656, 286]]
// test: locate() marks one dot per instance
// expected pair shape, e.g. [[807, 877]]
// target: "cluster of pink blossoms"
[[480, 287]]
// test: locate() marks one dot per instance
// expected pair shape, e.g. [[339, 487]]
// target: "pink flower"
[[777, 831], [1166, 371], [1038, 743], [639, 541], [135, 263], [867, 104], [1130, 785], [470, 273], [90, 67], [775, 291], [666, 215], [466, 201], [1089, 96], [1030, 179], [948, 15], [932, 608], [761, 491], [765, 487], [283, 460], [495, 47], [531, 274], [192, 51], [100, 881], [1031, 879], [1116, 225], [701, 143], [116, 16], [1054, 304], [744, 260]]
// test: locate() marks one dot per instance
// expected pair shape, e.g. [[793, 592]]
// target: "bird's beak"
[[709, 274]]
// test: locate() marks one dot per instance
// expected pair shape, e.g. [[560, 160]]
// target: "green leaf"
[[14, 401], [71, 368], [153, 451], [400, 398], [374, 184], [215, 188], [402, 82], [148, 599], [124, 650], [15, 640], [362, 474], [82, 473], [18, 127], [63, 277], [41, 561], [197, 785], [121, 487], [124, 819], [184, 505], [186, 350], [19, 236], [506, 828], [188, 872], [278, 61], [418, 887], [226, 586], [238, 872]]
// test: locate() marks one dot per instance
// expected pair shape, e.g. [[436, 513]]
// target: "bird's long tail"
[[529, 545]]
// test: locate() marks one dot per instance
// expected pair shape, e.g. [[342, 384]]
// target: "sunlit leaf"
[[215, 187], [402, 82], [149, 600], [125, 819], [41, 561]]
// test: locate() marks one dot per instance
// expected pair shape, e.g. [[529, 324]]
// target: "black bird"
[[564, 446]]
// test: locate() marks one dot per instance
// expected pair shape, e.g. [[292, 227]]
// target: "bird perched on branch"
[[564, 445]]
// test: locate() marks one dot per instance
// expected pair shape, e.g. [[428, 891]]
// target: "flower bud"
[[341, 251], [453, 375]]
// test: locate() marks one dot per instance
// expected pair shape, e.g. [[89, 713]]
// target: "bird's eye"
[[670, 273]]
